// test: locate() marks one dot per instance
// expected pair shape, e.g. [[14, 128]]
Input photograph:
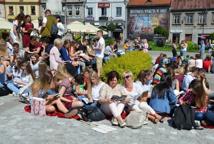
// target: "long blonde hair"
[[41, 83], [61, 73]]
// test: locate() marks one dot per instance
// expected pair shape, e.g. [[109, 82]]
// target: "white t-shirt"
[[100, 44], [191, 63], [135, 93], [9, 49], [61, 29], [199, 63], [44, 21], [96, 90]]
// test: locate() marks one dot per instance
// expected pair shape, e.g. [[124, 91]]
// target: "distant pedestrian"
[[27, 28], [49, 26], [61, 28], [202, 49], [183, 49], [174, 50], [145, 45]]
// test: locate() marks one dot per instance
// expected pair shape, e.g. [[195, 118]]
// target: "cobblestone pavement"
[[18, 127]]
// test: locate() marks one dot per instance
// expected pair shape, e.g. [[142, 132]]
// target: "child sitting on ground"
[[79, 88], [142, 105]]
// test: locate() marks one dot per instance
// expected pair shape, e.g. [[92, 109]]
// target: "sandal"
[[114, 122], [122, 125]]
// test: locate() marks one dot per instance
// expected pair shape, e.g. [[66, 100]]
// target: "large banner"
[[143, 21]]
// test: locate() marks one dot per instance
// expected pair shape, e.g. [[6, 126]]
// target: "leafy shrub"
[[77, 37], [132, 61], [161, 31], [109, 41], [192, 46], [211, 36]]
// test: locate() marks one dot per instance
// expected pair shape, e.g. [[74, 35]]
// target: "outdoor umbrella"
[[76, 26], [89, 28], [5, 24]]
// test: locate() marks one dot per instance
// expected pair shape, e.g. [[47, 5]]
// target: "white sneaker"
[[14, 94]]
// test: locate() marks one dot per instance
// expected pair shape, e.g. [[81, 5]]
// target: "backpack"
[[91, 112], [4, 91], [184, 117], [136, 119], [54, 29]]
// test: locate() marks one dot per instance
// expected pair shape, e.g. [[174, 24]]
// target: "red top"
[[207, 64]]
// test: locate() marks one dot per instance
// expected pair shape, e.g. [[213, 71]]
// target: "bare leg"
[[50, 108], [60, 106], [77, 104], [152, 118]]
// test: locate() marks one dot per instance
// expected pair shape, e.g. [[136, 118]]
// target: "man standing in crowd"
[[99, 51], [49, 26]]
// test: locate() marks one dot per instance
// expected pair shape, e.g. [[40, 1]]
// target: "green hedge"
[[132, 61], [109, 41], [192, 47], [161, 31]]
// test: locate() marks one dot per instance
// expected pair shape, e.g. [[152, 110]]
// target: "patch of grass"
[[168, 47]]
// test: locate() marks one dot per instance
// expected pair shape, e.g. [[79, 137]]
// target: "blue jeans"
[[209, 116], [14, 88], [183, 53], [200, 116], [1, 85], [51, 92]]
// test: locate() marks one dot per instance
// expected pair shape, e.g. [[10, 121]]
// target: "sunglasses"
[[128, 76]]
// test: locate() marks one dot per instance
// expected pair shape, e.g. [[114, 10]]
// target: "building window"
[[189, 18], [11, 12], [69, 9], [21, 9], [33, 10], [43, 6], [90, 11], [202, 18], [77, 10], [118, 11], [213, 17], [176, 19], [103, 12]]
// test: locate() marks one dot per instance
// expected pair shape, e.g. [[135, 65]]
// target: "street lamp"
[[83, 10], [126, 18]]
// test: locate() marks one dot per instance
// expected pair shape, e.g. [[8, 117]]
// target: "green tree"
[[161, 31]]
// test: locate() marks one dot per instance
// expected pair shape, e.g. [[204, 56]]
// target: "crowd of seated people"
[[71, 70]]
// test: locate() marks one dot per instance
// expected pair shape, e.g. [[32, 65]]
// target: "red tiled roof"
[[148, 2], [191, 4]]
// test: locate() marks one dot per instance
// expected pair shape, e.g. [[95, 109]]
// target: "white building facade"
[[104, 12], [54, 5], [2, 9]]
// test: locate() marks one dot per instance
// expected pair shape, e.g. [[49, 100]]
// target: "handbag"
[[38, 106], [136, 119]]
